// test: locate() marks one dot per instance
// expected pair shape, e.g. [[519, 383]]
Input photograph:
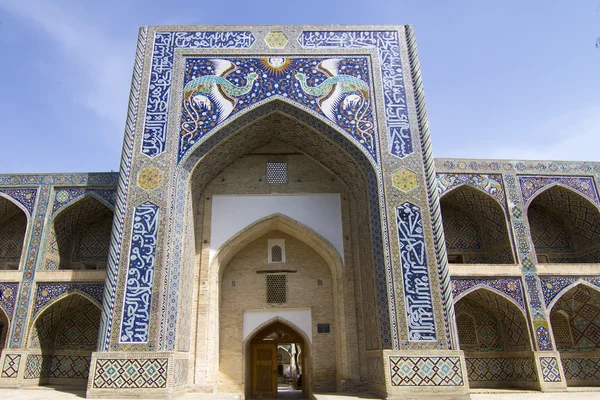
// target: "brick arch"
[[475, 226], [79, 233], [14, 221], [564, 226]]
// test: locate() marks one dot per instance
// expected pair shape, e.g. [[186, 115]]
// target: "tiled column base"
[[124, 374], [416, 374], [13, 368], [550, 371]]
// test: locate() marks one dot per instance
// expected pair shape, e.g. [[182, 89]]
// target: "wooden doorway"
[[268, 380]]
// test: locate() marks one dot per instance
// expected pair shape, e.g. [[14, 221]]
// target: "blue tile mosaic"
[[47, 292], [510, 286], [25, 197], [532, 185], [66, 195]]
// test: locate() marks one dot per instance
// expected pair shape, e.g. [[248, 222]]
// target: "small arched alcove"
[[264, 377], [565, 227], [575, 321], [62, 338], [494, 335], [79, 236], [4, 329], [13, 227], [475, 228]]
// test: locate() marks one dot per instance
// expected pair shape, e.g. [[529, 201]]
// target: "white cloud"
[[104, 66]]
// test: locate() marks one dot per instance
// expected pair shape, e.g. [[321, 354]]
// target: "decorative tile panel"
[[510, 286], [46, 292], [66, 195], [501, 369], [387, 44], [8, 298], [532, 185], [415, 271], [552, 286], [148, 373], [11, 365], [335, 88], [550, 370], [140, 275], [489, 183], [426, 371], [165, 43], [25, 197], [581, 368]]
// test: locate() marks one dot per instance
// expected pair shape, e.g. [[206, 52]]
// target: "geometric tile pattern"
[[582, 305], [581, 368], [13, 225], [140, 275], [417, 291], [501, 369], [93, 240], [426, 371], [489, 183], [404, 179], [303, 80], [47, 292], [483, 328], [550, 370], [548, 232], [137, 374], [25, 197], [276, 172], [462, 232], [512, 287], [530, 185], [57, 366], [8, 298], [394, 92], [66, 195], [165, 43], [11, 365], [552, 286], [79, 331]]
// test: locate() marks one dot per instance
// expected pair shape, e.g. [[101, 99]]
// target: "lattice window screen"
[[277, 288], [467, 331], [561, 329], [276, 172], [276, 254]]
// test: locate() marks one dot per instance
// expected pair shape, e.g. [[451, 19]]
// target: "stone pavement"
[[47, 393]]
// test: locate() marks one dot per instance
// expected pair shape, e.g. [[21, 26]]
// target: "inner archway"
[[13, 225], [565, 227], [575, 319]]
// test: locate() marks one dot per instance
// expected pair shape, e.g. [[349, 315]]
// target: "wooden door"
[[264, 371]]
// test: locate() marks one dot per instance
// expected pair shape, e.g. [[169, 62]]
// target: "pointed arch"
[[566, 289], [16, 203], [563, 186], [491, 289], [476, 227], [278, 222], [79, 198], [14, 228], [55, 300]]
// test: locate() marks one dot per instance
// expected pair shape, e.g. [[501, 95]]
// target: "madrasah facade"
[[279, 217]]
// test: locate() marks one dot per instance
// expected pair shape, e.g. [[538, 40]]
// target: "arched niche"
[[13, 227], [475, 228], [494, 334], [4, 329], [274, 130], [575, 322], [79, 236], [565, 227], [62, 337]]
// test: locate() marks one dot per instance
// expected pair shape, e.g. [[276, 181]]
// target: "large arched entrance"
[[269, 350], [278, 159]]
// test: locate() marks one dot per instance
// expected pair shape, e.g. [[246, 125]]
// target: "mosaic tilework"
[[417, 290], [10, 369], [108, 307], [501, 369], [165, 43], [79, 330], [484, 329], [582, 305], [581, 368], [426, 371], [550, 370], [12, 235], [552, 286], [510, 286], [489, 183], [8, 298], [67, 195], [25, 197], [46, 292], [140, 275], [336, 88], [531, 185], [387, 43], [148, 373], [57, 366]]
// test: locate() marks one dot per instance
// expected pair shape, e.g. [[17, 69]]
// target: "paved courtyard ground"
[[54, 394]]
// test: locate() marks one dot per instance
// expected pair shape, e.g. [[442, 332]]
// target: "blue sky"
[[503, 79]]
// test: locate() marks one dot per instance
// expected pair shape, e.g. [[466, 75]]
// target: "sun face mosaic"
[[337, 89]]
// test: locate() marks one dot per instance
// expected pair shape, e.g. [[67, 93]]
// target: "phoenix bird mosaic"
[[337, 88]]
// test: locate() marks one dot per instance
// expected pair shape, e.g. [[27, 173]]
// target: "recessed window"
[[467, 330], [276, 289], [276, 172], [276, 250]]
